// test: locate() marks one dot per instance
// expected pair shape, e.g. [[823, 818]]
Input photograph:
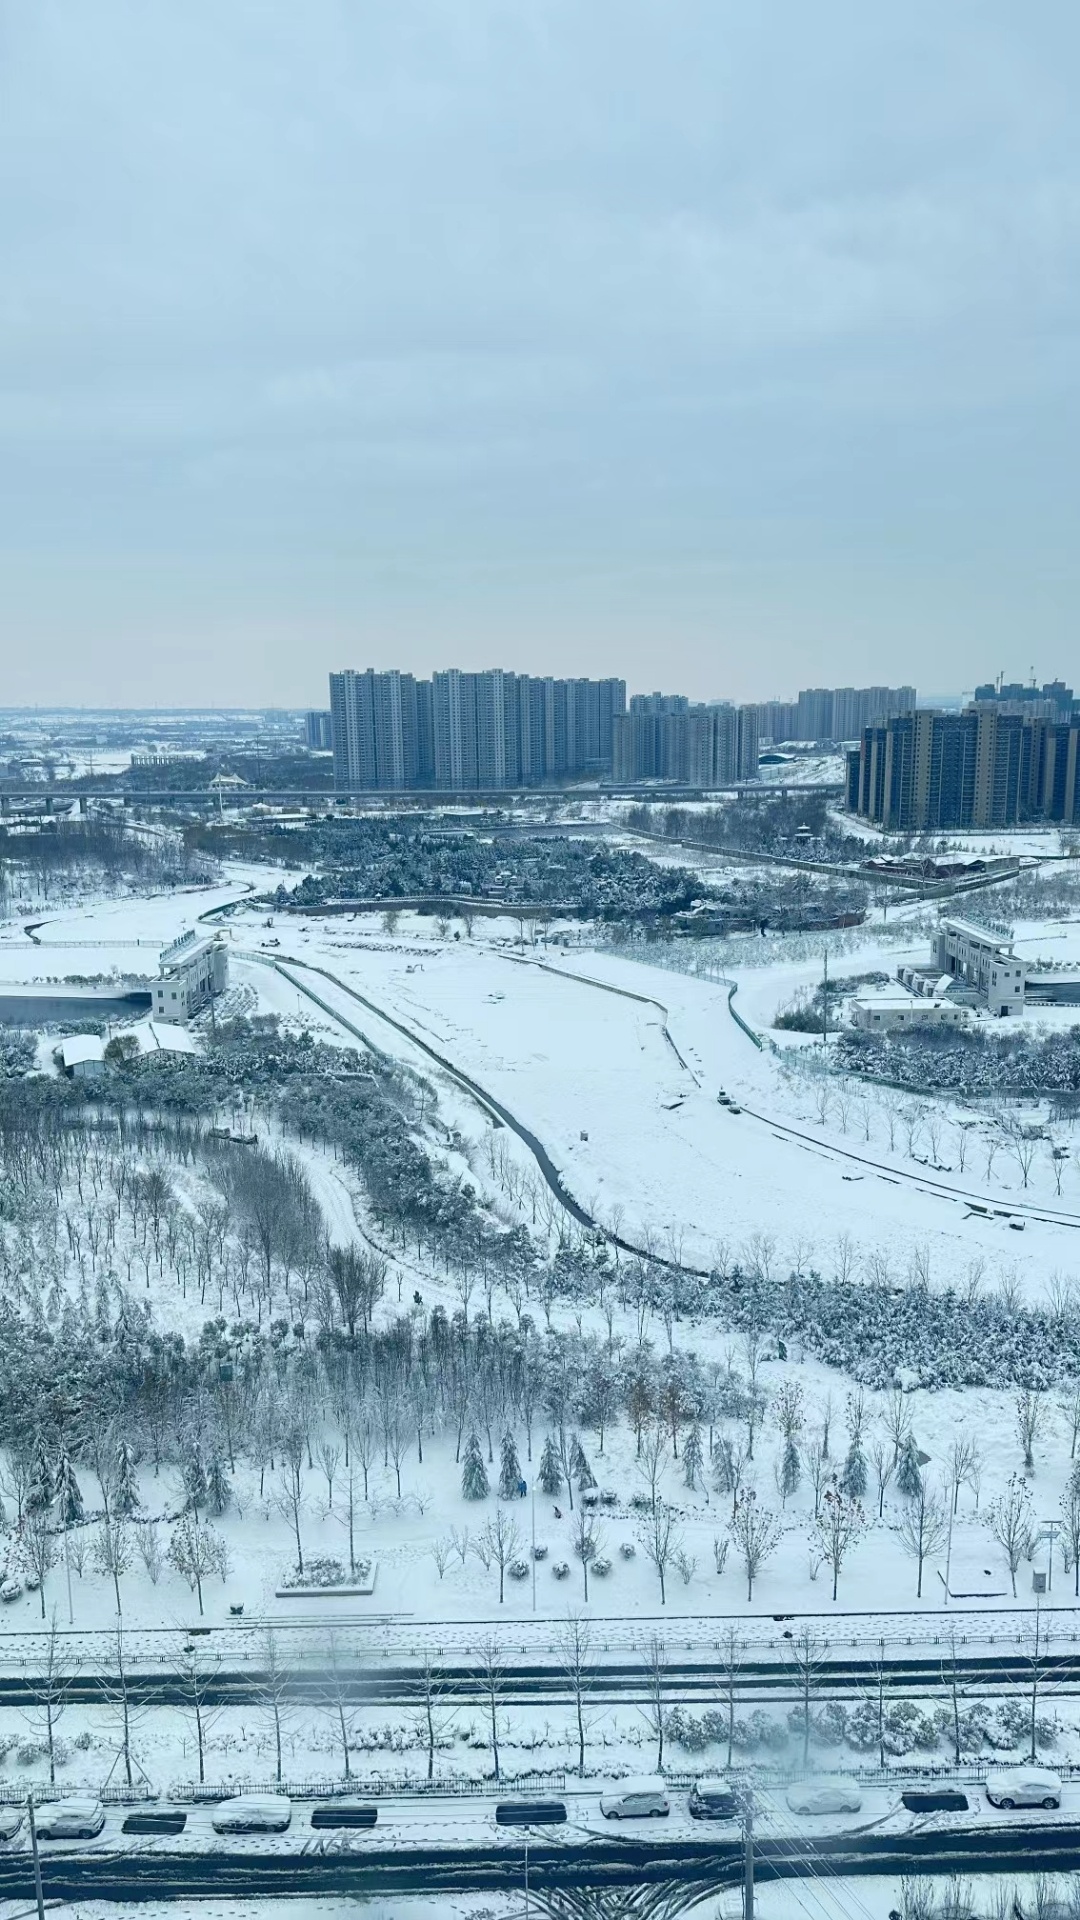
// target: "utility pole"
[[37, 1857], [748, 1853], [948, 1554], [825, 1002], [532, 1495]]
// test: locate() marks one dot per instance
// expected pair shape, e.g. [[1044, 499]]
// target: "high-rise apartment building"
[[929, 771], [832, 713], [664, 737], [469, 732]]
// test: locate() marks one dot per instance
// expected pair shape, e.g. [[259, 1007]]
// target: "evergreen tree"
[[41, 1491], [125, 1485], [790, 1467], [218, 1490], [908, 1477], [579, 1466], [68, 1491], [474, 1480], [550, 1469], [854, 1478], [692, 1456], [509, 1468], [194, 1481]]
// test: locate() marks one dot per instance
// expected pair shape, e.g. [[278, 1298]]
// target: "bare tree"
[[125, 1709], [574, 1647], [434, 1718], [655, 1709], [52, 1687], [196, 1674], [498, 1543], [588, 1541], [195, 1551], [730, 1652], [1070, 1529], [923, 1527], [1010, 1524], [807, 1656], [38, 1544], [756, 1533], [838, 1526], [290, 1495], [660, 1541], [652, 1460], [492, 1670], [272, 1693], [112, 1550], [334, 1698], [883, 1462], [1034, 1643]]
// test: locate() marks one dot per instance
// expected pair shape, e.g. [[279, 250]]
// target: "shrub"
[[627, 1549], [560, 1569], [518, 1569]]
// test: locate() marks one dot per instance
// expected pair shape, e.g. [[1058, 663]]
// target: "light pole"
[[532, 1497], [37, 1857]]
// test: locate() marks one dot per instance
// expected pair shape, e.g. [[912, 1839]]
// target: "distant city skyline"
[[724, 350]]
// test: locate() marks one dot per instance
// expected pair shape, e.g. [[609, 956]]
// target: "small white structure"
[[981, 954], [893, 1007], [83, 1056], [161, 1036], [193, 971]]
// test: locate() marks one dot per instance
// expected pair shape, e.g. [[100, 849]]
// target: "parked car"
[[635, 1800], [79, 1818], [345, 1813], [155, 1820], [530, 1813], [935, 1800], [712, 1800], [10, 1590], [253, 1813], [824, 1796], [11, 1819], [1023, 1787]]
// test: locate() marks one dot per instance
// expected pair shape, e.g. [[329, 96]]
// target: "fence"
[[457, 1786]]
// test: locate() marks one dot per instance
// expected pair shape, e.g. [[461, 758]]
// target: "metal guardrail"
[[740, 1022]]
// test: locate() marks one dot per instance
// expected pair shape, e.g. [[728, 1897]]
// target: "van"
[[635, 1800]]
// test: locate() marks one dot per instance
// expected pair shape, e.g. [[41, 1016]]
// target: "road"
[[609, 1681], [456, 1847]]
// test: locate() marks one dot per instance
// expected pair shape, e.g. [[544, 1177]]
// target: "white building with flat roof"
[[980, 953], [192, 972]]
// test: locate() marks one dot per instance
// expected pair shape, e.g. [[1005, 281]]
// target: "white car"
[[253, 1813], [824, 1796], [11, 1819], [1023, 1787], [79, 1818], [635, 1799]]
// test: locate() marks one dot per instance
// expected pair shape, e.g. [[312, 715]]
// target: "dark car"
[[935, 1800], [344, 1813], [528, 1813], [155, 1820], [712, 1800]]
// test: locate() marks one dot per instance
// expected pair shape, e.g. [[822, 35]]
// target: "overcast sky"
[[732, 348]]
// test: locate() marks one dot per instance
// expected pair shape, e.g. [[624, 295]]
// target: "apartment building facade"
[[928, 771], [463, 731], [664, 737]]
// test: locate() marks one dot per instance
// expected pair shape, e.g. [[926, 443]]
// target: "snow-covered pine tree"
[[509, 1468], [790, 1467], [550, 1471], [580, 1467], [474, 1480], [854, 1477], [908, 1477], [125, 1483], [218, 1490], [68, 1491], [194, 1481], [41, 1491], [692, 1456]]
